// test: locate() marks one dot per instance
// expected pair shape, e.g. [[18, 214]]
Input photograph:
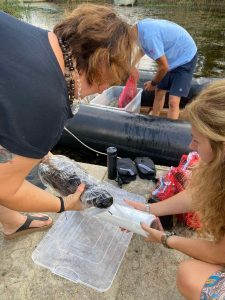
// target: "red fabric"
[[174, 182], [129, 91], [192, 220]]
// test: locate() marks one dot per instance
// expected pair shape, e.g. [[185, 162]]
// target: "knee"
[[184, 280], [173, 105]]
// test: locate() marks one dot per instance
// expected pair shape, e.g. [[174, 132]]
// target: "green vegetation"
[[182, 3], [12, 7]]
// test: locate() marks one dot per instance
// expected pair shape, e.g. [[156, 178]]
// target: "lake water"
[[206, 24]]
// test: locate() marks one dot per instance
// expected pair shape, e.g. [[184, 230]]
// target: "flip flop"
[[25, 229]]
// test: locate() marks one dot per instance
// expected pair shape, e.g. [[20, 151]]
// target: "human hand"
[[136, 205], [154, 234], [46, 157], [148, 86], [73, 202]]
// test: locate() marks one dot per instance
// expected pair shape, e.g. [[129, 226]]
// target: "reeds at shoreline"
[[12, 7]]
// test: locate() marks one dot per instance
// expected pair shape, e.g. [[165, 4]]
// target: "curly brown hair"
[[101, 43], [207, 185]]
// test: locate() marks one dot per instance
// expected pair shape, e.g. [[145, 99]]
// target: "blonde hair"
[[207, 115], [101, 42]]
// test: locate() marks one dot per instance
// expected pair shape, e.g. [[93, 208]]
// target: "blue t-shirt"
[[34, 103], [162, 37]]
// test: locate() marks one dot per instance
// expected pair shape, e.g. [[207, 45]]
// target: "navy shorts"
[[178, 80]]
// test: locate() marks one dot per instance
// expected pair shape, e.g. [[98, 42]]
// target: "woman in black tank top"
[[42, 73]]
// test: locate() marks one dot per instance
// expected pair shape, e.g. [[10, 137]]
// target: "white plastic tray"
[[108, 97]]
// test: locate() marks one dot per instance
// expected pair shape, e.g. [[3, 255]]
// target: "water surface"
[[206, 24]]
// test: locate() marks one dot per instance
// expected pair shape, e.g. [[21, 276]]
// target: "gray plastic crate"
[[109, 96]]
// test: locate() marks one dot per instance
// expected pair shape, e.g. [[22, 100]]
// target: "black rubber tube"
[[133, 135]]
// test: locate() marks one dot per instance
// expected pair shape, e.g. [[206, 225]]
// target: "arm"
[[179, 203], [207, 251], [163, 68], [18, 194]]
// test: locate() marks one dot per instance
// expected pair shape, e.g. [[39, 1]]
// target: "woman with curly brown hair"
[[42, 74], [203, 276]]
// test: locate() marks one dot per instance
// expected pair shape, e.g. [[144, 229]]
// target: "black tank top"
[[34, 104]]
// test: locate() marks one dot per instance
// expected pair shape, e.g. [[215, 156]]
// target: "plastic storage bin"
[[111, 95], [85, 249]]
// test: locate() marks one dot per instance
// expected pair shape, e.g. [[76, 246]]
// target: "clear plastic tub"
[[109, 97], [84, 248]]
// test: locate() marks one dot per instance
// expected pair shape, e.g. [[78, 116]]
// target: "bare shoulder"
[[53, 40]]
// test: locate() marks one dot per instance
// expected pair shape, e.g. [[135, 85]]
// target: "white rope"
[[66, 129]]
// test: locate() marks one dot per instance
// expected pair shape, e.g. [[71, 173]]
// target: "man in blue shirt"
[[175, 53]]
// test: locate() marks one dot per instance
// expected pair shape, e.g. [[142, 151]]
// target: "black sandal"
[[25, 229]]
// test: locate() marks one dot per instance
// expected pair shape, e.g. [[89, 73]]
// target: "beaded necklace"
[[70, 67]]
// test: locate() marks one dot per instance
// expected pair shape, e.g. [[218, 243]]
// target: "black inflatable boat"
[[133, 135]]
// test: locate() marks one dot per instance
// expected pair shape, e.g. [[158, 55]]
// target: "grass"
[[181, 3], [12, 7]]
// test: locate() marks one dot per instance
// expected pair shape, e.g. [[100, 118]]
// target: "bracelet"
[[62, 207], [147, 208], [165, 237], [154, 83]]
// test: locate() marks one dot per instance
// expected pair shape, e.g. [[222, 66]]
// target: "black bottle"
[[112, 162]]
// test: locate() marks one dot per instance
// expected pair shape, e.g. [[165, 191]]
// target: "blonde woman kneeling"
[[202, 276]]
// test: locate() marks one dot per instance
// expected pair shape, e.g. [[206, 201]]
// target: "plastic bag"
[[145, 167], [65, 175], [174, 182], [126, 171], [129, 91]]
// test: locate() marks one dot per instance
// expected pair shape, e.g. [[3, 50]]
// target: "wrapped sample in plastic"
[[65, 175], [129, 218]]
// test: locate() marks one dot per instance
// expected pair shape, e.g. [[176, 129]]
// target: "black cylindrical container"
[[112, 162]]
